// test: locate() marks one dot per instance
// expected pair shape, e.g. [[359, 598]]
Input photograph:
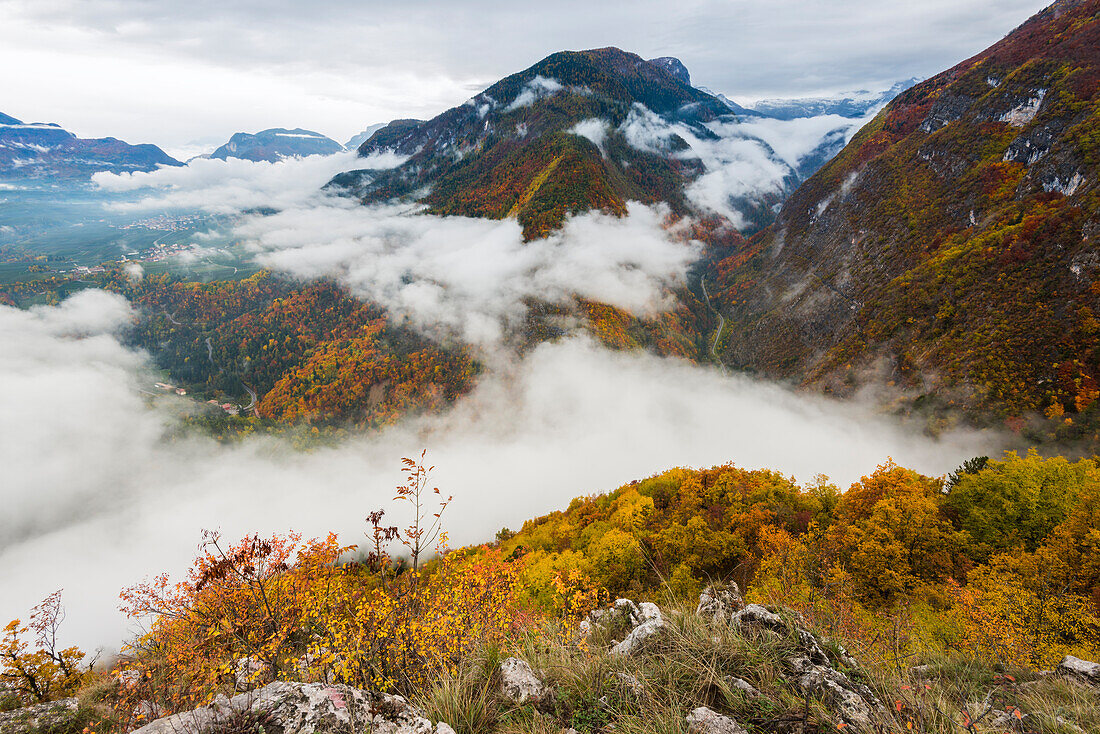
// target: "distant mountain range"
[[847, 104], [48, 151], [364, 136], [277, 143]]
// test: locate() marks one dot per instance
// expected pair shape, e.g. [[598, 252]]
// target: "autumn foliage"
[[1003, 562], [33, 665], [283, 608]]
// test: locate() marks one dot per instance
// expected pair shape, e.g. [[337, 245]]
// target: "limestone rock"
[[639, 635], [852, 702], [249, 673], [846, 658], [648, 611], [643, 621], [128, 678], [519, 683], [720, 603], [54, 715], [754, 614], [1083, 670], [303, 708], [705, 721], [622, 611], [812, 646], [148, 711], [740, 684], [1008, 720]]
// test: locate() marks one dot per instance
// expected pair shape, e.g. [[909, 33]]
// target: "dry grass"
[[689, 665]]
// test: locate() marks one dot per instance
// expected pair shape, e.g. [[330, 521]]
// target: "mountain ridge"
[[950, 247], [275, 144], [552, 140], [46, 150]]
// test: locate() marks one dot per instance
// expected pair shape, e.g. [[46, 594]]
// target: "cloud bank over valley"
[[120, 496]]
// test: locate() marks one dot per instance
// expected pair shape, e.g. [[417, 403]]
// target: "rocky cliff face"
[[953, 243], [40, 150]]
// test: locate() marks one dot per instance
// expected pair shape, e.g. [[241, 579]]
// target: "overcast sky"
[[185, 72]]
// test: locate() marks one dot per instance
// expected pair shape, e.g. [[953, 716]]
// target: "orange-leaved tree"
[[281, 608], [241, 606], [45, 671]]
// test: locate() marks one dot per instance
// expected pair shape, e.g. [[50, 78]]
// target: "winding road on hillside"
[[721, 323]]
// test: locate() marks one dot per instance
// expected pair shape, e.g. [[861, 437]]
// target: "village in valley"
[[228, 408]]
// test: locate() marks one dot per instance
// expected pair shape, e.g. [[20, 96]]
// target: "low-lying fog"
[[95, 497]]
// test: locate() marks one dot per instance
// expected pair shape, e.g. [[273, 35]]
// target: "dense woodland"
[[1002, 559]]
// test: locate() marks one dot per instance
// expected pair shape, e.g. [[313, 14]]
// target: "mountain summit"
[[277, 143], [579, 130]]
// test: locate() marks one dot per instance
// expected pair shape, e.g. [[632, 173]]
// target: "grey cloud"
[[342, 60]]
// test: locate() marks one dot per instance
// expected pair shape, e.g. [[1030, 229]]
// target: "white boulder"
[[519, 683]]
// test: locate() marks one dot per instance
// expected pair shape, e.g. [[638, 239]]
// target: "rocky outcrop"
[[638, 636], [740, 684], [705, 721], [302, 708], [720, 603], [640, 622], [812, 668], [1078, 669], [854, 703], [519, 683], [53, 716], [756, 615]]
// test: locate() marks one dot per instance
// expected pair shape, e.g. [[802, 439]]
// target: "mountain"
[[848, 104], [579, 130], [951, 247], [673, 66], [276, 144], [363, 137], [48, 151]]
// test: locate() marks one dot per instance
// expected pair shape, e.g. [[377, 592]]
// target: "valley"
[[601, 401]]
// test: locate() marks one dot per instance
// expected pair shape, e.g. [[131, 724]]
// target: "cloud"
[[235, 184], [449, 276], [170, 72], [52, 359], [793, 140], [97, 496], [736, 164], [593, 129], [534, 90], [471, 278]]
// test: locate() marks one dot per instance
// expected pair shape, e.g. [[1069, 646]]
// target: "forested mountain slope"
[[579, 130], [951, 248]]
